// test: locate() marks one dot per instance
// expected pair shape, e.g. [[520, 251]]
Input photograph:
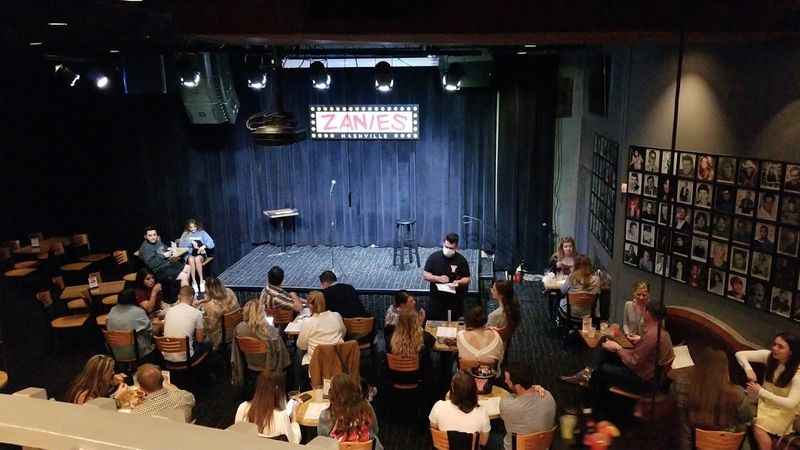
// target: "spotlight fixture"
[[256, 73], [101, 82], [113, 50], [189, 72], [530, 45], [522, 52], [58, 24], [35, 44], [67, 75], [451, 80], [384, 82], [320, 78]]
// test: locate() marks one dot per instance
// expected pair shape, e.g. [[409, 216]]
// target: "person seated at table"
[[254, 324], [200, 246], [184, 320], [322, 328], [477, 342], [581, 280], [147, 290], [707, 399], [563, 259], [507, 313], [530, 408], [219, 301], [403, 301], [408, 338], [779, 396], [97, 379], [461, 412], [127, 316], [160, 396], [350, 417], [633, 319], [268, 410], [273, 296], [341, 297], [167, 269]]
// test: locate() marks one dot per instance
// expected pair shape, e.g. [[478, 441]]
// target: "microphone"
[[333, 184]]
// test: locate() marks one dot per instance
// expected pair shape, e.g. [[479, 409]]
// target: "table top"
[[440, 346], [76, 266], [102, 289], [44, 246], [554, 283], [19, 273], [593, 341], [300, 410]]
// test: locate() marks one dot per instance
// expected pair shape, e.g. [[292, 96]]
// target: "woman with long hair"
[[200, 246], [633, 319], [564, 257], [407, 339], [507, 313], [219, 301], [322, 328], [461, 412], [350, 417], [477, 342], [707, 399], [97, 379], [147, 290], [268, 410], [779, 396], [255, 325], [582, 279]]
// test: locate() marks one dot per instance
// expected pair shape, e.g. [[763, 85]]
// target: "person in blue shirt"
[[200, 247]]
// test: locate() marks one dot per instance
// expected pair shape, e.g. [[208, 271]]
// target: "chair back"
[[281, 317], [467, 364], [58, 282], [121, 257], [173, 345], [717, 440], [403, 371], [441, 442], [57, 248], [79, 240], [122, 340], [251, 345], [229, 322], [582, 300], [45, 298], [359, 326], [366, 445], [533, 441]]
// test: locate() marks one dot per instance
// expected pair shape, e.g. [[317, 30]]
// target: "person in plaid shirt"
[[160, 397], [273, 296]]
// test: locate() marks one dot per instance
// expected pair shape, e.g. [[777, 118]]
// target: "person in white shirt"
[[185, 320], [322, 328], [461, 412], [268, 409]]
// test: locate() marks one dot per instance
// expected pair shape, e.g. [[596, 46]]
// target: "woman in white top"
[[633, 321], [477, 342], [779, 397], [507, 313], [268, 410], [322, 328], [461, 412]]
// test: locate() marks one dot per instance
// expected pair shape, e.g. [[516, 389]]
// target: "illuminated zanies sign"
[[364, 122]]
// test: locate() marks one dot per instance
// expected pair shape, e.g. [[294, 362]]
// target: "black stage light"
[[451, 80], [320, 78], [384, 81], [67, 75]]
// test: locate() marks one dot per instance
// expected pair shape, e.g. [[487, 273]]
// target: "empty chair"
[[717, 440], [534, 441], [125, 267]]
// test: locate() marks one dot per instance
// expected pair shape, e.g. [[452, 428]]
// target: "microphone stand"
[[467, 221]]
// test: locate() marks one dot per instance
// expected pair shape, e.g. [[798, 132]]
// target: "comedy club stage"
[[368, 269]]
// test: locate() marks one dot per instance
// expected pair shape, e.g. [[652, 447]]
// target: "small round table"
[[300, 410]]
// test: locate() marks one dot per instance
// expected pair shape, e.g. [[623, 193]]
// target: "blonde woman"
[[407, 339], [582, 279], [322, 328], [219, 301], [255, 325], [97, 379], [563, 259], [633, 321]]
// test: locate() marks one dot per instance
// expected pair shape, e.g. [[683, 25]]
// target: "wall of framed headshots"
[[727, 225], [603, 208]]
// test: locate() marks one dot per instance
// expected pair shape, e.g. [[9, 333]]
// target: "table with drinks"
[[592, 336], [445, 333]]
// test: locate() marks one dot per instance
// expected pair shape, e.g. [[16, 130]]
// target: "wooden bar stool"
[[405, 238]]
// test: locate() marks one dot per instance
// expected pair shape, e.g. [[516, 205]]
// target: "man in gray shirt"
[[126, 315], [530, 409]]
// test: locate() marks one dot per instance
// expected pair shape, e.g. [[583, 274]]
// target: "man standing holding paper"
[[447, 271]]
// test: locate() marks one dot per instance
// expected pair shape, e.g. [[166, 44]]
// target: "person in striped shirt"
[[273, 296]]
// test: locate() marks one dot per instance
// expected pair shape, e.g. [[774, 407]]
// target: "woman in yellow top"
[[779, 397]]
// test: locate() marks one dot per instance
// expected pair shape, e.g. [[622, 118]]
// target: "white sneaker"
[[203, 286], [194, 286]]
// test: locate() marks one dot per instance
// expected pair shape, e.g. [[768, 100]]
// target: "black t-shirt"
[[455, 268], [343, 299]]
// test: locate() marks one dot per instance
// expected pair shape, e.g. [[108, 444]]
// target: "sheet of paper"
[[314, 409], [682, 357], [446, 332], [294, 326], [492, 405], [444, 287]]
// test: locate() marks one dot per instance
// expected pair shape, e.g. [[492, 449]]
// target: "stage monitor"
[[368, 122]]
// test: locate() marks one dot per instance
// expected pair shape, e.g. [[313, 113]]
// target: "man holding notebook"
[[447, 271]]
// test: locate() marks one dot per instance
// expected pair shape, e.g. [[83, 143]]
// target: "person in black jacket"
[[340, 297]]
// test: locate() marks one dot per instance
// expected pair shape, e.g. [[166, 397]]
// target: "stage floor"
[[368, 269]]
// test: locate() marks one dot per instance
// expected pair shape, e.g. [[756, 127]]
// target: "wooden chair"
[[66, 324], [404, 377], [281, 317], [252, 347], [229, 322], [717, 440], [441, 442], [102, 321], [124, 267], [167, 345], [533, 441], [367, 445], [576, 300], [82, 249], [110, 300], [362, 329], [121, 341]]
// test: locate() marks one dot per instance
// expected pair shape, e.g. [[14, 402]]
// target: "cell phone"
[[305, 397]]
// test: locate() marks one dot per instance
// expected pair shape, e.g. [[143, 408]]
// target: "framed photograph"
[[716, 282], [758, 295], [796, 307], [646, 259], [636, 161], [650, 188], [721, 226], [697, 275], [726, 170], [666, 189], [725, 199], [784, 272], [663, 239], [699, 249], [739, 260], [781, 303], [651, 163], [667, 163], [702, 222], [719, 255], [686, 165], [737, 287], [631, 254], [648, 235], [771, 175], [681, 244], [768, 206], [742, 230], [664, 217], [660, 263], [649, 210], [790, 210], [764, 238], [634, 207], [788, 241], [678, 269], [761, 267], [685, 191], [632, 231], [702, 197], [745, 202], [706, 165], [635, 183], [683, 219], [748, 173], [792, 181]]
